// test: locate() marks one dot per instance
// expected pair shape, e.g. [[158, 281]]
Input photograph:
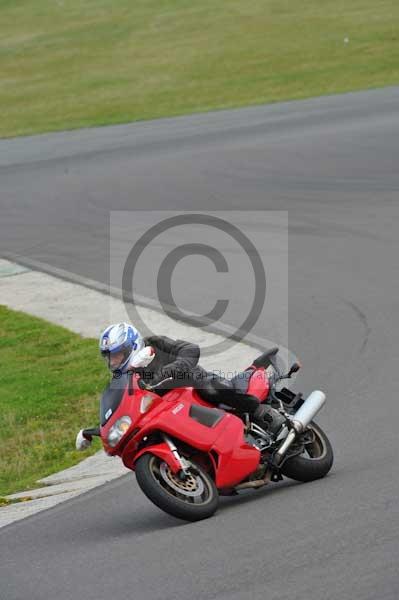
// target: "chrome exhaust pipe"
[[300, 420], [282, 450], [309, 409]]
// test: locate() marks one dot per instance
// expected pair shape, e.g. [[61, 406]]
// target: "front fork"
[[180, 459]]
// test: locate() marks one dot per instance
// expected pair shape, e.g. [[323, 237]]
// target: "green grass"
[[74, 63], [50, 380]]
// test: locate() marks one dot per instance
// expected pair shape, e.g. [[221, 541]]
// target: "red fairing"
[[236, 458], [130, 405], [160, 450], [259, 384], [222, 440]]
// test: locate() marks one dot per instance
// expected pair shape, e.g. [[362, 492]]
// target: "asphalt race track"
[[333, 164]]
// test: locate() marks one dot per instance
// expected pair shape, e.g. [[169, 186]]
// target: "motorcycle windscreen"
[[112, 397]]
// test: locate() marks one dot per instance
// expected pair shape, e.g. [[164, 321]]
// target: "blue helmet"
[[118, 344]]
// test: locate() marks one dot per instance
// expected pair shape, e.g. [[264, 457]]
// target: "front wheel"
[[192, 498], [316, 458]]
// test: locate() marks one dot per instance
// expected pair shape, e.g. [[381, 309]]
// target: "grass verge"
[[50, 379], [74, 63]]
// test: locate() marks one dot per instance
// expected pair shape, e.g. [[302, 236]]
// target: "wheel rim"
[[194, 489], [316, 448]]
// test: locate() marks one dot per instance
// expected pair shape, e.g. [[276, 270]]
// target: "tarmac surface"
[[332, 163]]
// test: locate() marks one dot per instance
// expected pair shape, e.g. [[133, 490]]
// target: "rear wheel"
[[316, 459], [192, 498]]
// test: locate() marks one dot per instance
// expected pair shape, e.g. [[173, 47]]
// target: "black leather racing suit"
[[179, 359]]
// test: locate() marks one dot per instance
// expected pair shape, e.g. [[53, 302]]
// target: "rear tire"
[[316, 460], [192, 500]]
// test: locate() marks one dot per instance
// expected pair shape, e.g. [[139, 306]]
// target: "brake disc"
[[192, 485]]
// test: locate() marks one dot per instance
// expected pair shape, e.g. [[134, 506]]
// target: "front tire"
[[192, 499], [315, 461]]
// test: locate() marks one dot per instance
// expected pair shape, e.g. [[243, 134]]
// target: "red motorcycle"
[[186, 452]]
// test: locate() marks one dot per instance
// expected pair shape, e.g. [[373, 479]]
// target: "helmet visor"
[[115, 360]]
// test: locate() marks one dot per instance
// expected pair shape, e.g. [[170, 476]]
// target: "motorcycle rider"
[[159, 358]]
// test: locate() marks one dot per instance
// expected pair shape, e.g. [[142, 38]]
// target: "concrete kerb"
[[71, 305]]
